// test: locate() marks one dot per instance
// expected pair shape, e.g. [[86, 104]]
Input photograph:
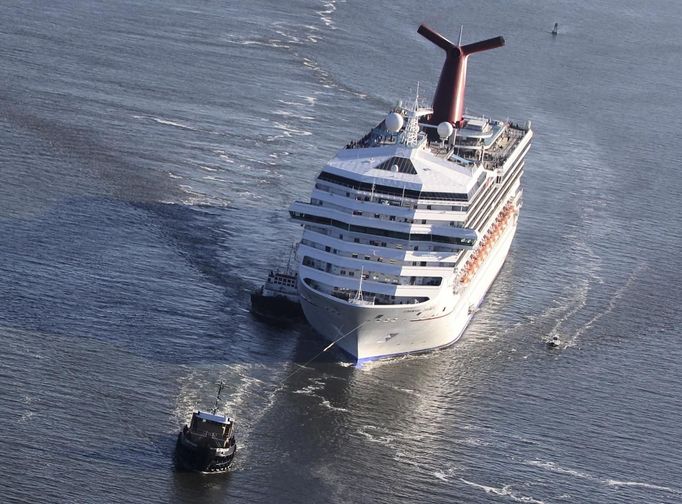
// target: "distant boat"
[[555, 342], [555, 30]]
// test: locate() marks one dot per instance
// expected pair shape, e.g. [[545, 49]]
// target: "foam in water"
[[384, 440], [551, 466], [328, 405], [613, 300], [326, 14], [504, 491], [650, 486]]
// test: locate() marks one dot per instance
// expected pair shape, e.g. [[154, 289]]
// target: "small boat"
[[207, 444], [277, 300], [555, 30], [554, 342]]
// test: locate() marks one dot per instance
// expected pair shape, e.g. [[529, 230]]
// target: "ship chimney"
[[448, 102]]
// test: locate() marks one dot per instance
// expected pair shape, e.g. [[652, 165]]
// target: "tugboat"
[[277, 300], [207, 444], [554, 342]]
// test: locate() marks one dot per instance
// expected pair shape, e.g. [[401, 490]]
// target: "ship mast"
[[358, 294], [217, 399]]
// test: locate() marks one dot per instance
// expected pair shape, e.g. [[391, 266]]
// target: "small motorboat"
[[554, 342], [207, 444], [555, 30]]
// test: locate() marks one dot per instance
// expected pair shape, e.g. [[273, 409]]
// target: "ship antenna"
[[358, 294], [291, 250], [217, 399], [448, 102], [411, 132]]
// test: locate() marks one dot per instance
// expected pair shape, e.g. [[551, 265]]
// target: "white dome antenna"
[[394, 122], [445, 129]]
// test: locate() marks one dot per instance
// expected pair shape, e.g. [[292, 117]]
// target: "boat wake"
[[326, 14], [373, 438], [649, 486], [612, 301], [504, 491], [555, 468]]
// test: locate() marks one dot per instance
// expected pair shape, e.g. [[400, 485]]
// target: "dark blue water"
[[148, 153]]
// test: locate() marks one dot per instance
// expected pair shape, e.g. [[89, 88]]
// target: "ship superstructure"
[[407, 227]]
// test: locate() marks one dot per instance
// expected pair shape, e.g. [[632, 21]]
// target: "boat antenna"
[[291, 251], [411, 132], [220, 389], [358, 294]]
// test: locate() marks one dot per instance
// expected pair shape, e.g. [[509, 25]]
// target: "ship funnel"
[[448, 102]]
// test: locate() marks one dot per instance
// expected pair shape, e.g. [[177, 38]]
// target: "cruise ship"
[[407, 227]]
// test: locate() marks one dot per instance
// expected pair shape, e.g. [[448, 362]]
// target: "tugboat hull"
[[275, 309], [202, 457]]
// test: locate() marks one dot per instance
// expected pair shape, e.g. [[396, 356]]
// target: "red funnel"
[[448, 102]]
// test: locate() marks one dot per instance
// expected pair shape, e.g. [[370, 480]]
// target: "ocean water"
[[148, 153]]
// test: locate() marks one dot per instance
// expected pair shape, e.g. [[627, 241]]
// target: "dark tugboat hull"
[[275, 309], [201, 459]]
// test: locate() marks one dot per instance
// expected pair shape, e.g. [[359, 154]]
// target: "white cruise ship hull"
[[369, 332]]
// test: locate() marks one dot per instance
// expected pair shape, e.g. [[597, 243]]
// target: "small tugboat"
[[207, 444], [277, 300], [554, 342]]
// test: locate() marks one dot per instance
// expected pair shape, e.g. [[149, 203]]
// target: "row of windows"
[[370, 275], [511, 172], [375, 257], [381, 232], [375, 243], [497, 194], [384, 200], [397, 191], [379, 299]]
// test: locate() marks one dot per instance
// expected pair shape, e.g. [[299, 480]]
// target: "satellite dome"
[[445, 129], [394, 122]]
